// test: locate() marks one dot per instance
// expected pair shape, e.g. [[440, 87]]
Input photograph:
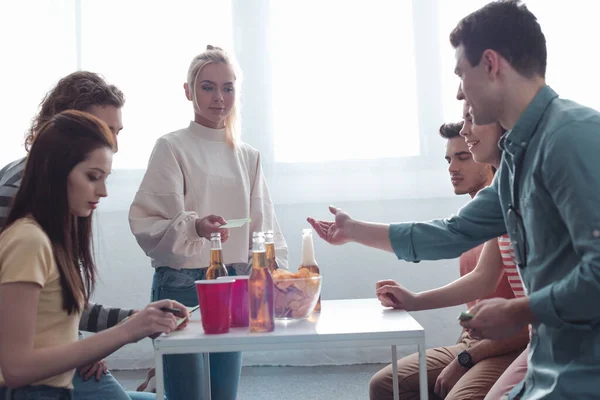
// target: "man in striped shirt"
[[83, 91]]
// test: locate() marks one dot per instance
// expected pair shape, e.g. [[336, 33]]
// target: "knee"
[[381, 385]]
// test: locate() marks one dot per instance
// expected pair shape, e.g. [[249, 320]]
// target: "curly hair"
[[77, 91]]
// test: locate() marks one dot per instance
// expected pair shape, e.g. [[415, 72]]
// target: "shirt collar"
[[527, 124]]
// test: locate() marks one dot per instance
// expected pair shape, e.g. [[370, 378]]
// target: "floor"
[[298, 383]]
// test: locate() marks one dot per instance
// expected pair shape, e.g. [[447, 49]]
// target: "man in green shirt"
[[545, 195]]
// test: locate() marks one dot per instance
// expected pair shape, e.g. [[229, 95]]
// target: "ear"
[[188, 95], [491, 60]]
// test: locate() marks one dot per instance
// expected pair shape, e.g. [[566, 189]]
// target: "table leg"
[[395, 373], [206, 358], [423, 371], [158, 375]]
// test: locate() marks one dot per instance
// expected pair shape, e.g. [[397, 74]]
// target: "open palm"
[[333, 232]]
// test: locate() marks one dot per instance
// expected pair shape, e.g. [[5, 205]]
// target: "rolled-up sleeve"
[[478, 221]]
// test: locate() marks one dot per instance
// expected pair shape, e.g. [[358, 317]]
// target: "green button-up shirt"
[[550, 174]]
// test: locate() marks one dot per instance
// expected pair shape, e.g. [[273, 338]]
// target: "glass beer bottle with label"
[[216, 268], [260, 288]]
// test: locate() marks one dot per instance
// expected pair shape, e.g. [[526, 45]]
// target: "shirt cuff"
[[192, 233], [541, 303], [400, 236]]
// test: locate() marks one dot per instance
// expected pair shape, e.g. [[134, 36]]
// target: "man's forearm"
[[370, 234], [96, 318], [487, 348]]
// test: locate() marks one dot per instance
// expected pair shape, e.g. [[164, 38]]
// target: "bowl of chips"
[[295, 294]]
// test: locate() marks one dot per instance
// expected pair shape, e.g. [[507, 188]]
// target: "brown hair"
[[451, 129], [509, 28], [77, 91], [62, 143]]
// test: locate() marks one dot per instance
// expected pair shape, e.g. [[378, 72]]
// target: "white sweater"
[[193, 173]]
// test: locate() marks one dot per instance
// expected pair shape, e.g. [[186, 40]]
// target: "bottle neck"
[[259, 259], [215, 244], [308, 250]]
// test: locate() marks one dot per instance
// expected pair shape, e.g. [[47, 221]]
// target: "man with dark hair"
[[545, 195], [451, 371], [89, 92]]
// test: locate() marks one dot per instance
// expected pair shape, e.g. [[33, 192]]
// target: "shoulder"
[[25, 235], [12, 173], [249, 152], [25, 253], [572, 125]]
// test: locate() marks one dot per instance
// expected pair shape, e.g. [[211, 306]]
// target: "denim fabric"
[[41, 392], [183, 372]]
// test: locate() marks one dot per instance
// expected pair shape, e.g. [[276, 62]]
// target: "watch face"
[[464, 358]]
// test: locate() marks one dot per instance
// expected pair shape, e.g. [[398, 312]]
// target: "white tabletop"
[[361, 322]]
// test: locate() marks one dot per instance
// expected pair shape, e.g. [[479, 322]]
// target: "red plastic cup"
[[214, 297], [240, 317]]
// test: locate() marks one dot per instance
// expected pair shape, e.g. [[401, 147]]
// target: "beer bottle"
[[270, 247], [260, 288], [308, 258], [217, 268]]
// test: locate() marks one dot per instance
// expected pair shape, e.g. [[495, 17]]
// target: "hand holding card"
[[236, 223]]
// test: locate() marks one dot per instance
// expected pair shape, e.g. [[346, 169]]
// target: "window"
[[343, 78], [37, 47], [571, 31], [145, 48], [449, 13]]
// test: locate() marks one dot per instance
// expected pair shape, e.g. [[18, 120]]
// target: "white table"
[[341, 323]]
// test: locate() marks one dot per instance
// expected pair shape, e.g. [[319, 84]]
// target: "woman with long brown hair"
[[47, 272]]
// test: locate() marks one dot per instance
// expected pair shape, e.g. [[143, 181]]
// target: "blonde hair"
[[216, 55]]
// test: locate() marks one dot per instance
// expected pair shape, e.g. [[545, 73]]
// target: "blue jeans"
[[41, 392], [183, 372], [106, 388]]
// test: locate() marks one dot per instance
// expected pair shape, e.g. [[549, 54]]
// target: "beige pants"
[[473, 385], [513, 375]]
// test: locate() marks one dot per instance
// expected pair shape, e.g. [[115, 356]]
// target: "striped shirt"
[[95, 317], [512, 271], [10, 180]]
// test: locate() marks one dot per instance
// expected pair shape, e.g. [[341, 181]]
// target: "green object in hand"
[[465, 316]]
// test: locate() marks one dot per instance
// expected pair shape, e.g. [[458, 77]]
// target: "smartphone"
[[465, 316], [190, 310]]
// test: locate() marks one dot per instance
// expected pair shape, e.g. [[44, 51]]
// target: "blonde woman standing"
[[198, 177]]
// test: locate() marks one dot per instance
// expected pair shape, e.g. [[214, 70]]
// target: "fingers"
[[183, 325], [216, 219], [387, 291], [333, 210], [386, 282], [91, 371], [182, 309], [83, 371], [224, 234], [319, 230], [438, 387], [101, 371]]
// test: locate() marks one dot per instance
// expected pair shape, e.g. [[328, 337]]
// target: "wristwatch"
[[465, 360]]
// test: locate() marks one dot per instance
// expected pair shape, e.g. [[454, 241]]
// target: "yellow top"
[[26, 256]]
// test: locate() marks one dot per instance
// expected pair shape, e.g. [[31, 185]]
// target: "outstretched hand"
[[333, 232]]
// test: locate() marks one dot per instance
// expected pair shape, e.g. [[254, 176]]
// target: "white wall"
[[348, 272]]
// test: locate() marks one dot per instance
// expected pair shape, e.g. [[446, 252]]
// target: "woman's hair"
[[77, 91], [217, 55], [63, 142]]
